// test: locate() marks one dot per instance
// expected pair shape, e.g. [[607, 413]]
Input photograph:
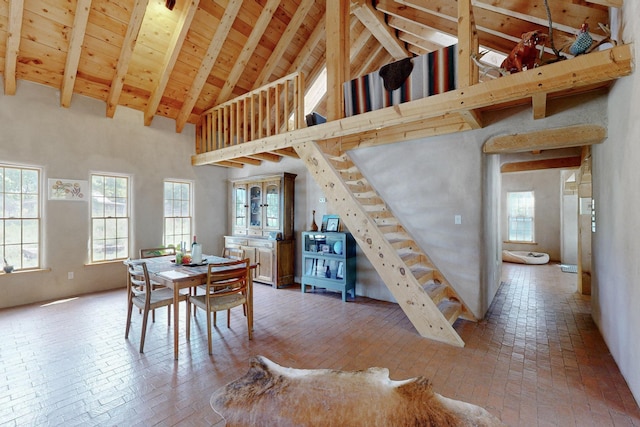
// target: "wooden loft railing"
[[270, 110], [447, 112]]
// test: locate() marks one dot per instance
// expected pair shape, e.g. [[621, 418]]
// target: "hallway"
[[537, 359]]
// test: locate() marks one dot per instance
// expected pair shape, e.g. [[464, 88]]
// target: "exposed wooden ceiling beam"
[[128, 45], [248, 160], [208, 62], [288, 152], [359, 43], [566, 16], [416, 31], [283, 42], [547, 139], [270, 157], [413, 44], [303, 56], [559, 163], [498, 32], [610, 3], [247, 50], [229, 164], [427, 128], [171, 56], [374, 21], [83, 7], [14, 33]]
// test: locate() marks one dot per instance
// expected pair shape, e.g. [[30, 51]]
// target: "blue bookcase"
[[329, 262]]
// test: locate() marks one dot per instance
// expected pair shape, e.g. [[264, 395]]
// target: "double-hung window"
[[521, 216], [20, 216], [177, 212], [109, 217]]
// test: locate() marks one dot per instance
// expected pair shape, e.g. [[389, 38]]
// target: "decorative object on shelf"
[[337, 247], [7, 268], [325, 249], [525, 53], [314, 226], [583, 41], [330, 223], [327, 273], [340, 271]]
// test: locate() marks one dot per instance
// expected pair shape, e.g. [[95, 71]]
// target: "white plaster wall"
[[569, 226], [71, 143], [546, 185], [616, 246], [426, 185]]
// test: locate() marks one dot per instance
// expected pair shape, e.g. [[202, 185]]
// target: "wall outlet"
[[323, 200], [457, 219], [70, 275]]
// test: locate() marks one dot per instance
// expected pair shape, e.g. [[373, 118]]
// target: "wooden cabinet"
[[263, 206], [274, 258], [329, 261], [261, 223]]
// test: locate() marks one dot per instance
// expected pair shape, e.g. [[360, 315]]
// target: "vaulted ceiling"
[[178, 63]]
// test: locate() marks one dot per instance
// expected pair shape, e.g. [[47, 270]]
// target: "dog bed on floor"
[[525, 257]]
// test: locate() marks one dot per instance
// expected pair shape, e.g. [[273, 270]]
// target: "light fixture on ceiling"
[[170, 4]]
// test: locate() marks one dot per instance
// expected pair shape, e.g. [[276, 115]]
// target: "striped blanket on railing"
[[432, 74]]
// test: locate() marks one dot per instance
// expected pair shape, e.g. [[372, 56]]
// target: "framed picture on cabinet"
[[340, 271], [330, 223]]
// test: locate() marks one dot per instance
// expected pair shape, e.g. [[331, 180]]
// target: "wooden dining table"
[[164, 271]]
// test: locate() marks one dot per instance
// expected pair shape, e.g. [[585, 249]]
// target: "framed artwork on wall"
[[330, 223], [67, 189]]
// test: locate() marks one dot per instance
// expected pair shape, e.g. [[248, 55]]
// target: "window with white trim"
[[521, 216], [20, 216], [109, 217], [178, 209]]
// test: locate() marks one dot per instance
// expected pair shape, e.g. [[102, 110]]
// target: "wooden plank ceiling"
[[178, 63]]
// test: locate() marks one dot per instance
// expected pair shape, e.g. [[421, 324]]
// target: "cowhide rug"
[[271, 395]]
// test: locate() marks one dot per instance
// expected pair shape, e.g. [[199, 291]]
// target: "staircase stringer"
[[405, 245], [423, 313]]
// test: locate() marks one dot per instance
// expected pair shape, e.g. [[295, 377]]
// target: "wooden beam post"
[[337, 29], [547, 139], [16, 9]]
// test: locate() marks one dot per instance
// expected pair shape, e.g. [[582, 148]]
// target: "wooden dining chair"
[[233, 253], [156, 252], [227, 287], [228, 253], [142, 294]]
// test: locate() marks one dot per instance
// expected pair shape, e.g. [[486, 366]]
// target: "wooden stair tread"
[[400, 243], [422, 274], [410, 257], [450, 309], [436, 291]]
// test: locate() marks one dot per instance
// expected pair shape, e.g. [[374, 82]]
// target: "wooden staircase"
[[424, 294]]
